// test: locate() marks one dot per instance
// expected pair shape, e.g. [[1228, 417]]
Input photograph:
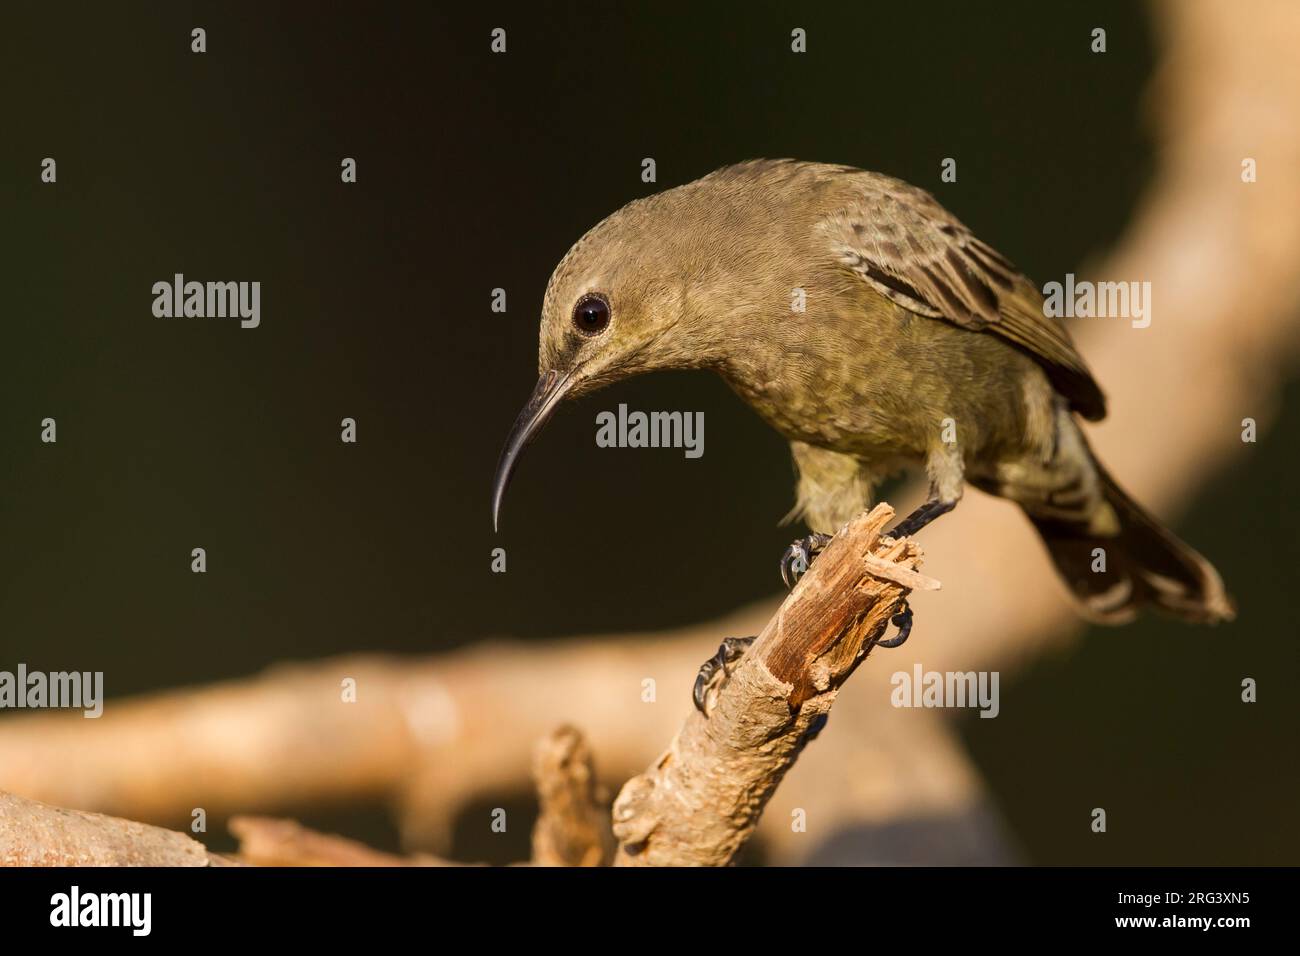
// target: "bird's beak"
[[551, 387]]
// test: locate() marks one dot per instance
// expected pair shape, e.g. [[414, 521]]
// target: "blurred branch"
[[700, 801], [572, 825], [267, 842]]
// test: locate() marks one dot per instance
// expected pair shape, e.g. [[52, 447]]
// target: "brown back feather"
[[913, 251]]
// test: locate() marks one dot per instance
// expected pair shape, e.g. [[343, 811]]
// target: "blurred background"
[[477, 171]]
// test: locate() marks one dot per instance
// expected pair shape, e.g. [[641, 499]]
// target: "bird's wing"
[[913, 251]]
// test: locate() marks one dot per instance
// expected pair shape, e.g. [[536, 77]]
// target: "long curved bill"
[[551, 386]]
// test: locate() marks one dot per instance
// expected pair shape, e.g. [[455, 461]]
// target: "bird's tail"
[[1113, 575]]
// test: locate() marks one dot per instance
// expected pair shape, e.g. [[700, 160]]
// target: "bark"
[[700, 801], [573, 820], [33, 834]]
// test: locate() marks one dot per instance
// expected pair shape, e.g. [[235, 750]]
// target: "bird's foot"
[[919, 518], [730, 650], [816, 727], [903, 621], [799, 555]]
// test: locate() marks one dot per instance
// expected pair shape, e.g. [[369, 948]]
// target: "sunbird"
[[874, 331]]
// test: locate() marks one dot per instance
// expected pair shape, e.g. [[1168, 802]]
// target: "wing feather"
[[917, 254]]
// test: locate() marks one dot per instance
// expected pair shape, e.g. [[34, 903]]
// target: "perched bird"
[[917, 344]]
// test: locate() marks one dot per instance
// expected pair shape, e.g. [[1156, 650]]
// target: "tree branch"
[[33, 834], [700, 801], [264, 841], [572, 825]]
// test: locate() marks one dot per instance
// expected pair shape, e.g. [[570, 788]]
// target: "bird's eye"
[[591, 314]]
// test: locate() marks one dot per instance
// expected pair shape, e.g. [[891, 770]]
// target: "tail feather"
[[1145, 563]]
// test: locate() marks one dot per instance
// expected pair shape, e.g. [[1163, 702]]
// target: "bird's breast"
[[834, 405]]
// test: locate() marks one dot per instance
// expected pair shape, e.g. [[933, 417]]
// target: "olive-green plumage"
[[916, 344]]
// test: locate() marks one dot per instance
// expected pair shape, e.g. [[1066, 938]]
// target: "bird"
[[875, 332]]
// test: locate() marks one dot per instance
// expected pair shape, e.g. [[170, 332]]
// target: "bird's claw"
[[794, 562], [800, 554], [729, 651], [902, 620]]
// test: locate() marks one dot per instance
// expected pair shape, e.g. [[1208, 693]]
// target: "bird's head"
[[625, 299]]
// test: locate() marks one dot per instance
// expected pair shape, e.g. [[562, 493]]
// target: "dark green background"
[[478, 171]]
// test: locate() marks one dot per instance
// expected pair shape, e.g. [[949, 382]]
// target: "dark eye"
[[591, 314]]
